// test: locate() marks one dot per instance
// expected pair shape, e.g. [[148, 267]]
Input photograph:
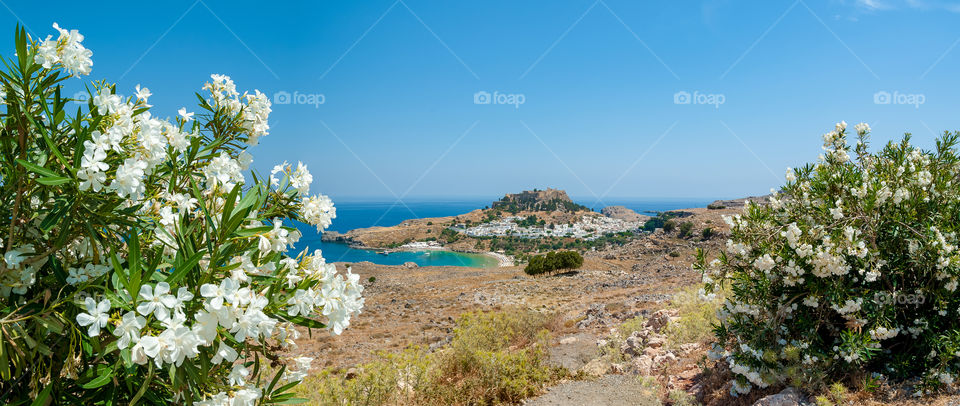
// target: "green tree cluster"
[[553, 261]]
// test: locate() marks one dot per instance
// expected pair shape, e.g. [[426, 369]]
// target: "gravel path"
[[609, 390]]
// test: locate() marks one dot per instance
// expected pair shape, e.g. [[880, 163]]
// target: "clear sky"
[[601, 85]]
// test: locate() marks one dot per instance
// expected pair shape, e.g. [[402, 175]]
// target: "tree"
[[140, 264], [553, 261]]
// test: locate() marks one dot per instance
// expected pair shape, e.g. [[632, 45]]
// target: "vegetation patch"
[[553, 261], [493, 358]]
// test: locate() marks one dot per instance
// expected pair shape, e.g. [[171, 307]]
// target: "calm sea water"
[[353, 214]]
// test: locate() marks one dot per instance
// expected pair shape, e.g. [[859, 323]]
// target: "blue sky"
[[600, 83]]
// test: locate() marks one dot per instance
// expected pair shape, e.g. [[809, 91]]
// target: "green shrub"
[[669, 226], [493, 358], [716, 206], [686, 229], [853, 269], [553, 261], [697, 316], [707, 233]]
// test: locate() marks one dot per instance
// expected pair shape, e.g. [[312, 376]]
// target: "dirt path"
[[609, 390]]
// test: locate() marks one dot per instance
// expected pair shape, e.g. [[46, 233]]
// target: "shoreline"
[[503, 260]]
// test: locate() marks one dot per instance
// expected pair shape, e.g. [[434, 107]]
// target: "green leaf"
[[181, 270], [100, 380], [247, 232], [42, 397], [133, 260], [305, 322], [53, 180], [37, 169]]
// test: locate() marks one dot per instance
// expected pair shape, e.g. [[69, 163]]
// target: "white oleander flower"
[[66, 50], [129, 179], [129, 329], [301, 179], [225, 353], [238, 375], [318, 211], [156, 300], [96, 316], [186, 116], [143, 93]]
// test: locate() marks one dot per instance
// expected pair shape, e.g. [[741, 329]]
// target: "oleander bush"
[[140, 264], [851, 271]]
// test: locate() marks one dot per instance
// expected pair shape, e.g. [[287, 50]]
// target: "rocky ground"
[[407, 306], [411, 305]]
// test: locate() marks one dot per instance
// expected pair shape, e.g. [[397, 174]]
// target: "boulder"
[[596, 367], [410, 265], [633, 345], [659, 319], [786, 397], [643, 365], [656, 341]]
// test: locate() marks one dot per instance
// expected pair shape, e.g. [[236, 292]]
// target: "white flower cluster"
[[66, 50], [851, 236], [18, 270], [165, 244]]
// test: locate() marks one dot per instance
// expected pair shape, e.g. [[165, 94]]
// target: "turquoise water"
[[367, 213]]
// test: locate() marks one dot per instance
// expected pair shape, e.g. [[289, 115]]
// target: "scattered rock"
[[659, 319], [786, 397], [351, 373], [410, 265], [568, 340], [643, 365], [656, 341], [596, 367]]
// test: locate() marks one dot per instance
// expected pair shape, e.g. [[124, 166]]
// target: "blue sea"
[[360, 213]]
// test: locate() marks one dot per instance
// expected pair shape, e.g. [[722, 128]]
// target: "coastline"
[[503, 260]]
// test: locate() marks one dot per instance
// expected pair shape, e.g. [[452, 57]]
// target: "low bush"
[[493, 358], [669, 226], [852, 270], [697, 316], [686, 229]]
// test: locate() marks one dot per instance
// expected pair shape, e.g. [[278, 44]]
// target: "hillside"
[[549, 200], [529, 215]]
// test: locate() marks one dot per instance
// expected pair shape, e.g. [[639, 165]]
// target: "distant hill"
[[538, 200]]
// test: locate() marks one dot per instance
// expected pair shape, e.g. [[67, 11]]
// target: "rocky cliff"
[[623, 213], [538, 200]]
